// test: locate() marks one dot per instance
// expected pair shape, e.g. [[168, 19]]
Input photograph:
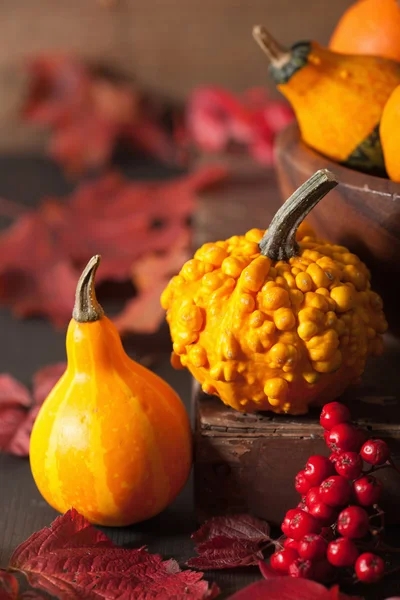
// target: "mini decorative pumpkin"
[[269, 323], [338, 99], [112, 439], [390, 135], [369, 27]]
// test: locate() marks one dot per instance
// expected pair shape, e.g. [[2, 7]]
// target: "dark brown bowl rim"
[[363, 182]]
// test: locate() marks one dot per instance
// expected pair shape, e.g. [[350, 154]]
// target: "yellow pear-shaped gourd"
[[112, 439], [338, 99]]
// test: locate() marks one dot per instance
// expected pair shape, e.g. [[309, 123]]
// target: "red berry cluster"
[[338, 496]]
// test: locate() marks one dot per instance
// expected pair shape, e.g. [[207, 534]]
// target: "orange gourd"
[[390, 135], [369, 27], [338, 99], [112, 439], [266, 322]]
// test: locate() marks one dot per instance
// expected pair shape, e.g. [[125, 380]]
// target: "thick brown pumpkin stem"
[[279, 241], [277, 54], [86, 307]]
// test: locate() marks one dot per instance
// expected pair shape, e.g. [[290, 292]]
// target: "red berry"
[[312, 496], [312, 546], [318, 509], [369, 567], [335, 491], [301, 524], [353, 522], [334, 413], [342, 552], [317, 469], [348, 465], [346, 438], [290, 543], [323, 571], [325, 514], [375, 452], [301, 483], [285, 525], [367, 490], [326, 436], [281, 561], [301, 568]]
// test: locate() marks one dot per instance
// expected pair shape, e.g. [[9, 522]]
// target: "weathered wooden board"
[[247, 462]]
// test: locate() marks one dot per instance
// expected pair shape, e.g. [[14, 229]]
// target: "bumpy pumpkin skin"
[[278, 336], [112, 439]]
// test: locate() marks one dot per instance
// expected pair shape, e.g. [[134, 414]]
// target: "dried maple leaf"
[[18, 410], [42, 254], [217, 119], [144, 313], [287, 588], [33, 272], [9, 589], [233, 541], [88, 111], [8, 586], [73, 560], [14, 400]]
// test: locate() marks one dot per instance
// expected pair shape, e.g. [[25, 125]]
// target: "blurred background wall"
[[170, 46]]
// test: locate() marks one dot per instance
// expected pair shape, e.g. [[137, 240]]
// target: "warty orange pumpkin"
[[266, 322], [112, 439]]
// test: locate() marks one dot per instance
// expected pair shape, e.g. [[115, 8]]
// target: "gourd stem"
[[86, 307], [279, 241], [277, 54]]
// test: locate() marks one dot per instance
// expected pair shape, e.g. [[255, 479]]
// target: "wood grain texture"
[[242, 460], [362, 212]]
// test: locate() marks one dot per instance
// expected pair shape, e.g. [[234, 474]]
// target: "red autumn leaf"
[[8, 586], [88, 112], [73, 560], [287, 588], [217, 119], [33, 271], [232, 541], [18, 410], [144, 313], [14, 400], [9, 589], [42, 254]]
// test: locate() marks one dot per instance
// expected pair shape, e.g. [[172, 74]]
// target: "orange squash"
[[390, 135], [338, 99], [266, 322], [369, 27], [112, 439]]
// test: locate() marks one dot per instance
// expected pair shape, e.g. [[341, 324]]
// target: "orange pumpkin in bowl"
[[369, 27]]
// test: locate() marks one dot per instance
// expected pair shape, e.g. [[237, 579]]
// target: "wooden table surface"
[[28, 345]]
